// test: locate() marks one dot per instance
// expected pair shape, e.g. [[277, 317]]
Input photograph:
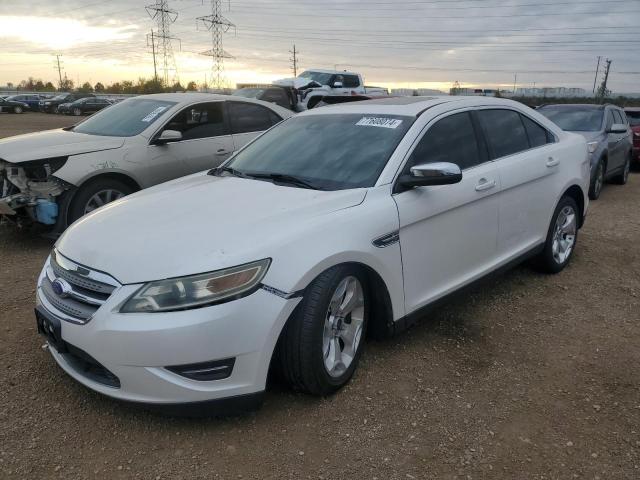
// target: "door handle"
[[222, 151], [552, 162], [485, 184]]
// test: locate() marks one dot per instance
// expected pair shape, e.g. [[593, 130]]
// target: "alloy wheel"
[[343, 326], [564, 237], [102, 198]]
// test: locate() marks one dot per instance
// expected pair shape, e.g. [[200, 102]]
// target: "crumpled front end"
[[29, 190]]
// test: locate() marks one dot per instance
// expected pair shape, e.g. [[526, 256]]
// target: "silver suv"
[[608, 135]]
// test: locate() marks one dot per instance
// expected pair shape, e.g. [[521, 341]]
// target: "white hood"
[[53, 143], [195, 224]]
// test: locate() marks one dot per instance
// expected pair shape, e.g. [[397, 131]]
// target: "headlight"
[[197, 290], [592, 146], [47, 103]]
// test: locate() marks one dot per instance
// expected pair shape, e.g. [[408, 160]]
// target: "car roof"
[[337, 72], [410, 106], [583, 106], [632, 109]]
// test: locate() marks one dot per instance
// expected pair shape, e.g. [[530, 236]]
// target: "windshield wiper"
[[284, 178], [231, 170]]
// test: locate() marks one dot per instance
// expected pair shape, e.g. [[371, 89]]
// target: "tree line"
[[141, 86]]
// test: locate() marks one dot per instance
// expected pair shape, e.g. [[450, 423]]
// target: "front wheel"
[[94, 195], [561, 237], [17, 109], [322, 342], [77, 112]]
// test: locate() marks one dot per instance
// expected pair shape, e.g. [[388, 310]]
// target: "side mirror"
[[428, 174], [618, 128], [168, 136], [337, 84]]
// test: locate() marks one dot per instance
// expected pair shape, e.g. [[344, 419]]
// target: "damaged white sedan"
[[57, 176]]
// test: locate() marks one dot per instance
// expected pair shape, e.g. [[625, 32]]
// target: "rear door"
[[248, 120], [206, 142], [448, 233], [528, 161], [613, 143], [621, 139]]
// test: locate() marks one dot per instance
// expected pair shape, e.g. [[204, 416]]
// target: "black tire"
[[17, 109], [545, 261], [88, 190], [313, 102], [623, 177], [595, 189], [300, 357]]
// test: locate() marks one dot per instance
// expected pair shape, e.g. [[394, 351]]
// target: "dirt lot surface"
[[531, 376], [11, 124]]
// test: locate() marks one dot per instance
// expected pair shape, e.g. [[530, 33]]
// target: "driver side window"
[[452, 139], [202, 120]]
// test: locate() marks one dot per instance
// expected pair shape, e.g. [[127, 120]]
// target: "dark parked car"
[[608, 136], [51, 105], [283, 96], [31, 99], [84, 106], [633, 116], [10, 106]]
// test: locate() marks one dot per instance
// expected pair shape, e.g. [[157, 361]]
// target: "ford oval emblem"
[[61, 287]]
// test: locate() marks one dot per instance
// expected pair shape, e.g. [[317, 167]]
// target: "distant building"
[[415, 92], [552, 92]]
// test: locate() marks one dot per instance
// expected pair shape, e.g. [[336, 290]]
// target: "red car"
[[633, 114]]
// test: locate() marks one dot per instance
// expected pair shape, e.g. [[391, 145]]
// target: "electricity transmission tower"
[[217, 25], [602, 89], [161, 39], [294, 60]]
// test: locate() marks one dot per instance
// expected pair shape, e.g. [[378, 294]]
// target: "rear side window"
[[451, 139], [247, 117], [351, 81], [505, 131], [277, 96], [618, 117], [538, 135]]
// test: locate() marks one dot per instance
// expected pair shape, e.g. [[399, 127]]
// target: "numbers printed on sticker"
[[382, 122]]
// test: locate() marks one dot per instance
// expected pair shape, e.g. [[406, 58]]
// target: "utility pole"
[[602, 90], [515, 81], [164, 17], [294, 60], [153, 51], [217, 24], [59, 68], [595, 79]]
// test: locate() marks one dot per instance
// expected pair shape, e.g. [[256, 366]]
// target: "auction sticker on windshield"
[[154, 114], [379, 122]]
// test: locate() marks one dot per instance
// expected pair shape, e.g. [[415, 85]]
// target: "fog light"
[[205, 371]]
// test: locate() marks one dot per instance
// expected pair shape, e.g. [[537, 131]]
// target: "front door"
[[448, 233], [205, 143]]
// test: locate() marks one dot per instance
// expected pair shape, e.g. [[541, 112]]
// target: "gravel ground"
[[531, 376]]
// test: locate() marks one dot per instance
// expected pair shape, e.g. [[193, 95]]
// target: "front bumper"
[[136, 348]]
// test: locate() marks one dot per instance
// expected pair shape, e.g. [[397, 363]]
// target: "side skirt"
[[414, 317]]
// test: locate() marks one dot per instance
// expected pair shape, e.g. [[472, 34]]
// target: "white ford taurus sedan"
[[55, 177], [337, 223]]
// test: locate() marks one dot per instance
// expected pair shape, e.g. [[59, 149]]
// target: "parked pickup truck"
[[312, 86]]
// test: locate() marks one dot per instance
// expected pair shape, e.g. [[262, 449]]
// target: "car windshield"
[[60, 97], [124, 119], [634, 118], [574, 119], [320, 77], [329, 152], [249, 92]]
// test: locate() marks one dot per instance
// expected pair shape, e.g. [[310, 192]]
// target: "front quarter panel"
[[344, 236]]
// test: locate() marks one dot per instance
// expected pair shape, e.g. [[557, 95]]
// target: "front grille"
[[72, 291]]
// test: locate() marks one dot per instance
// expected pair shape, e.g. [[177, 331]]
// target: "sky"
[[397, 44]]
